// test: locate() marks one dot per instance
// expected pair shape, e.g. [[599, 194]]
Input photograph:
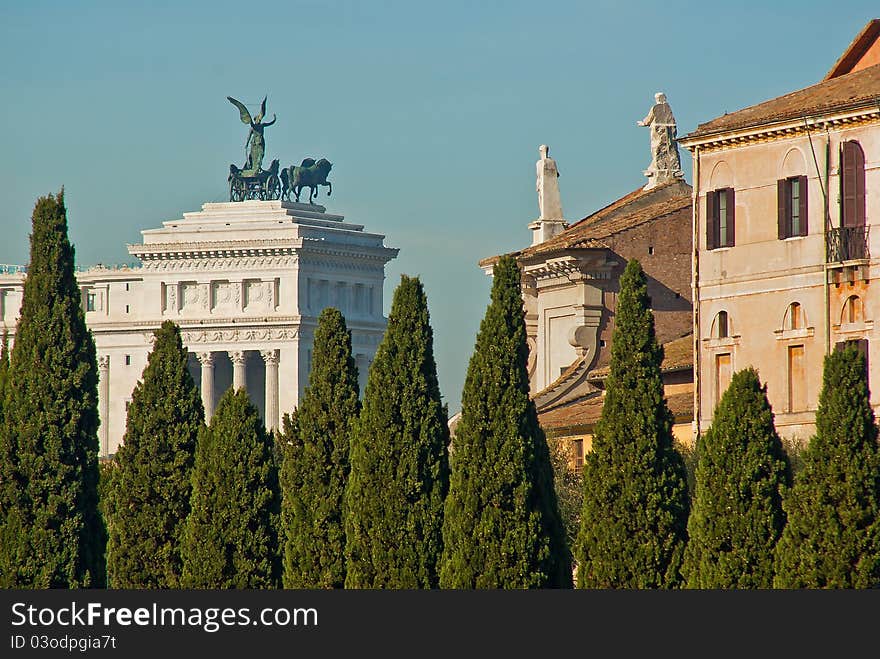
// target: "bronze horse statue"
[[310, 174]]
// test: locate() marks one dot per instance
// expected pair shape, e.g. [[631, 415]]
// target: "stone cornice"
[[782, 130]]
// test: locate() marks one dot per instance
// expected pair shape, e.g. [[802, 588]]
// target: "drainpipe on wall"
[[826, 223], [695, 290]]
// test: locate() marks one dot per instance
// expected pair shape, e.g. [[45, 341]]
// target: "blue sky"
[[431, 113]]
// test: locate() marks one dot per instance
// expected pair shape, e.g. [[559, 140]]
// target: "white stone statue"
[[549, 202], [665, 162]]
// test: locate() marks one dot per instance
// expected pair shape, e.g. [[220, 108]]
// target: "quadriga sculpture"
[[310, 174]]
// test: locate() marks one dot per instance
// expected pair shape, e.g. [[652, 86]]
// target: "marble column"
[[104, 402], [239, 375], [270, 357], [206, 359]]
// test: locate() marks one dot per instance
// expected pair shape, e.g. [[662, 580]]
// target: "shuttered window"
[[859, 344], [791, 196], [852, 185], [720, 217]]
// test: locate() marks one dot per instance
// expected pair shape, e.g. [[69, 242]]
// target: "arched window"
[[794, 317], [852, 310], [721, 326]]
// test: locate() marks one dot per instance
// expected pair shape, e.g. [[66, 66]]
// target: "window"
[[126, 308], [577, 452], [797, 386], [791, 196], [852, 310], [721, 328], [128, 360], [795, 318], [650, 249], [722, 375], [126, 286], [852, 185], [720, 227], [90, 301], [861, 345]]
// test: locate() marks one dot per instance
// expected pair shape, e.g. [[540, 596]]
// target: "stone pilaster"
[[270, 357]]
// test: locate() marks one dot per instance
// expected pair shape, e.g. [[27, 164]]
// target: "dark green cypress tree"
[[230, 538], [315, 445], [53, 535], [4, 371], [742, 472], [399, 457], [502, 527], [150, 496], [832, 538], [634, 519]]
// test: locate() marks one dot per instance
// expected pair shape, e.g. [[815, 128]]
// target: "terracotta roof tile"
[[631, 210], [677, 355], [859, 88], [584, 413]]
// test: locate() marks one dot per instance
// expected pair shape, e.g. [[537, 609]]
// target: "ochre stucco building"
[[785, 258]]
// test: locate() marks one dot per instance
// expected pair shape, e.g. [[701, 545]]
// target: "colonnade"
[[239, 379]]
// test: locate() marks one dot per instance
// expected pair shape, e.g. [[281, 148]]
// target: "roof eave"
[[830, 116]]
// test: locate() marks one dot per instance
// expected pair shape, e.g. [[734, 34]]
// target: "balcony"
[[847, 244]]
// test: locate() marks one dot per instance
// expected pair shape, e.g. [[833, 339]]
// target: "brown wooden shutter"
[[710, 220], [852, 185], [731, 218], [781, 209], [802, 183]]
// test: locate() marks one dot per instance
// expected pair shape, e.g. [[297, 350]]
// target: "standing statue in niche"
[[665, 162], [549, 202]]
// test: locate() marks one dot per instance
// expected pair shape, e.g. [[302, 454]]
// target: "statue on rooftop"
[[255, 140], [665, 162], [549, 202]]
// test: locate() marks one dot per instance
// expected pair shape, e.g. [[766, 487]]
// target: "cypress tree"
[[634, 519], [399, 460], [315, 445], [742, 471], [150, 495], [502, 526], [53, 535], [832, 538], [4, 371], [230, 539]]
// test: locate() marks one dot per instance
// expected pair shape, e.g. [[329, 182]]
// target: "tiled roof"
[[859, 88], [584, 414], [677, 355], [631, 210]]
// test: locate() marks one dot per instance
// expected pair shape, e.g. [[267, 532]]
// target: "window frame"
[[715, 200], [786, 207]]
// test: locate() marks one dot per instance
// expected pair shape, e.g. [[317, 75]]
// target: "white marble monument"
[[245, 281]]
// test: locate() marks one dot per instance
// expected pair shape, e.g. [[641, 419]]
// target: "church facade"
[[245, 281], [570, 281]]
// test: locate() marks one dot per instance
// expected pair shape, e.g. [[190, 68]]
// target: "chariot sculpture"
[[253, 182]]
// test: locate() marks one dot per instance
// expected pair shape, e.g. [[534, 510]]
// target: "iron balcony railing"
[[847, 244]]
